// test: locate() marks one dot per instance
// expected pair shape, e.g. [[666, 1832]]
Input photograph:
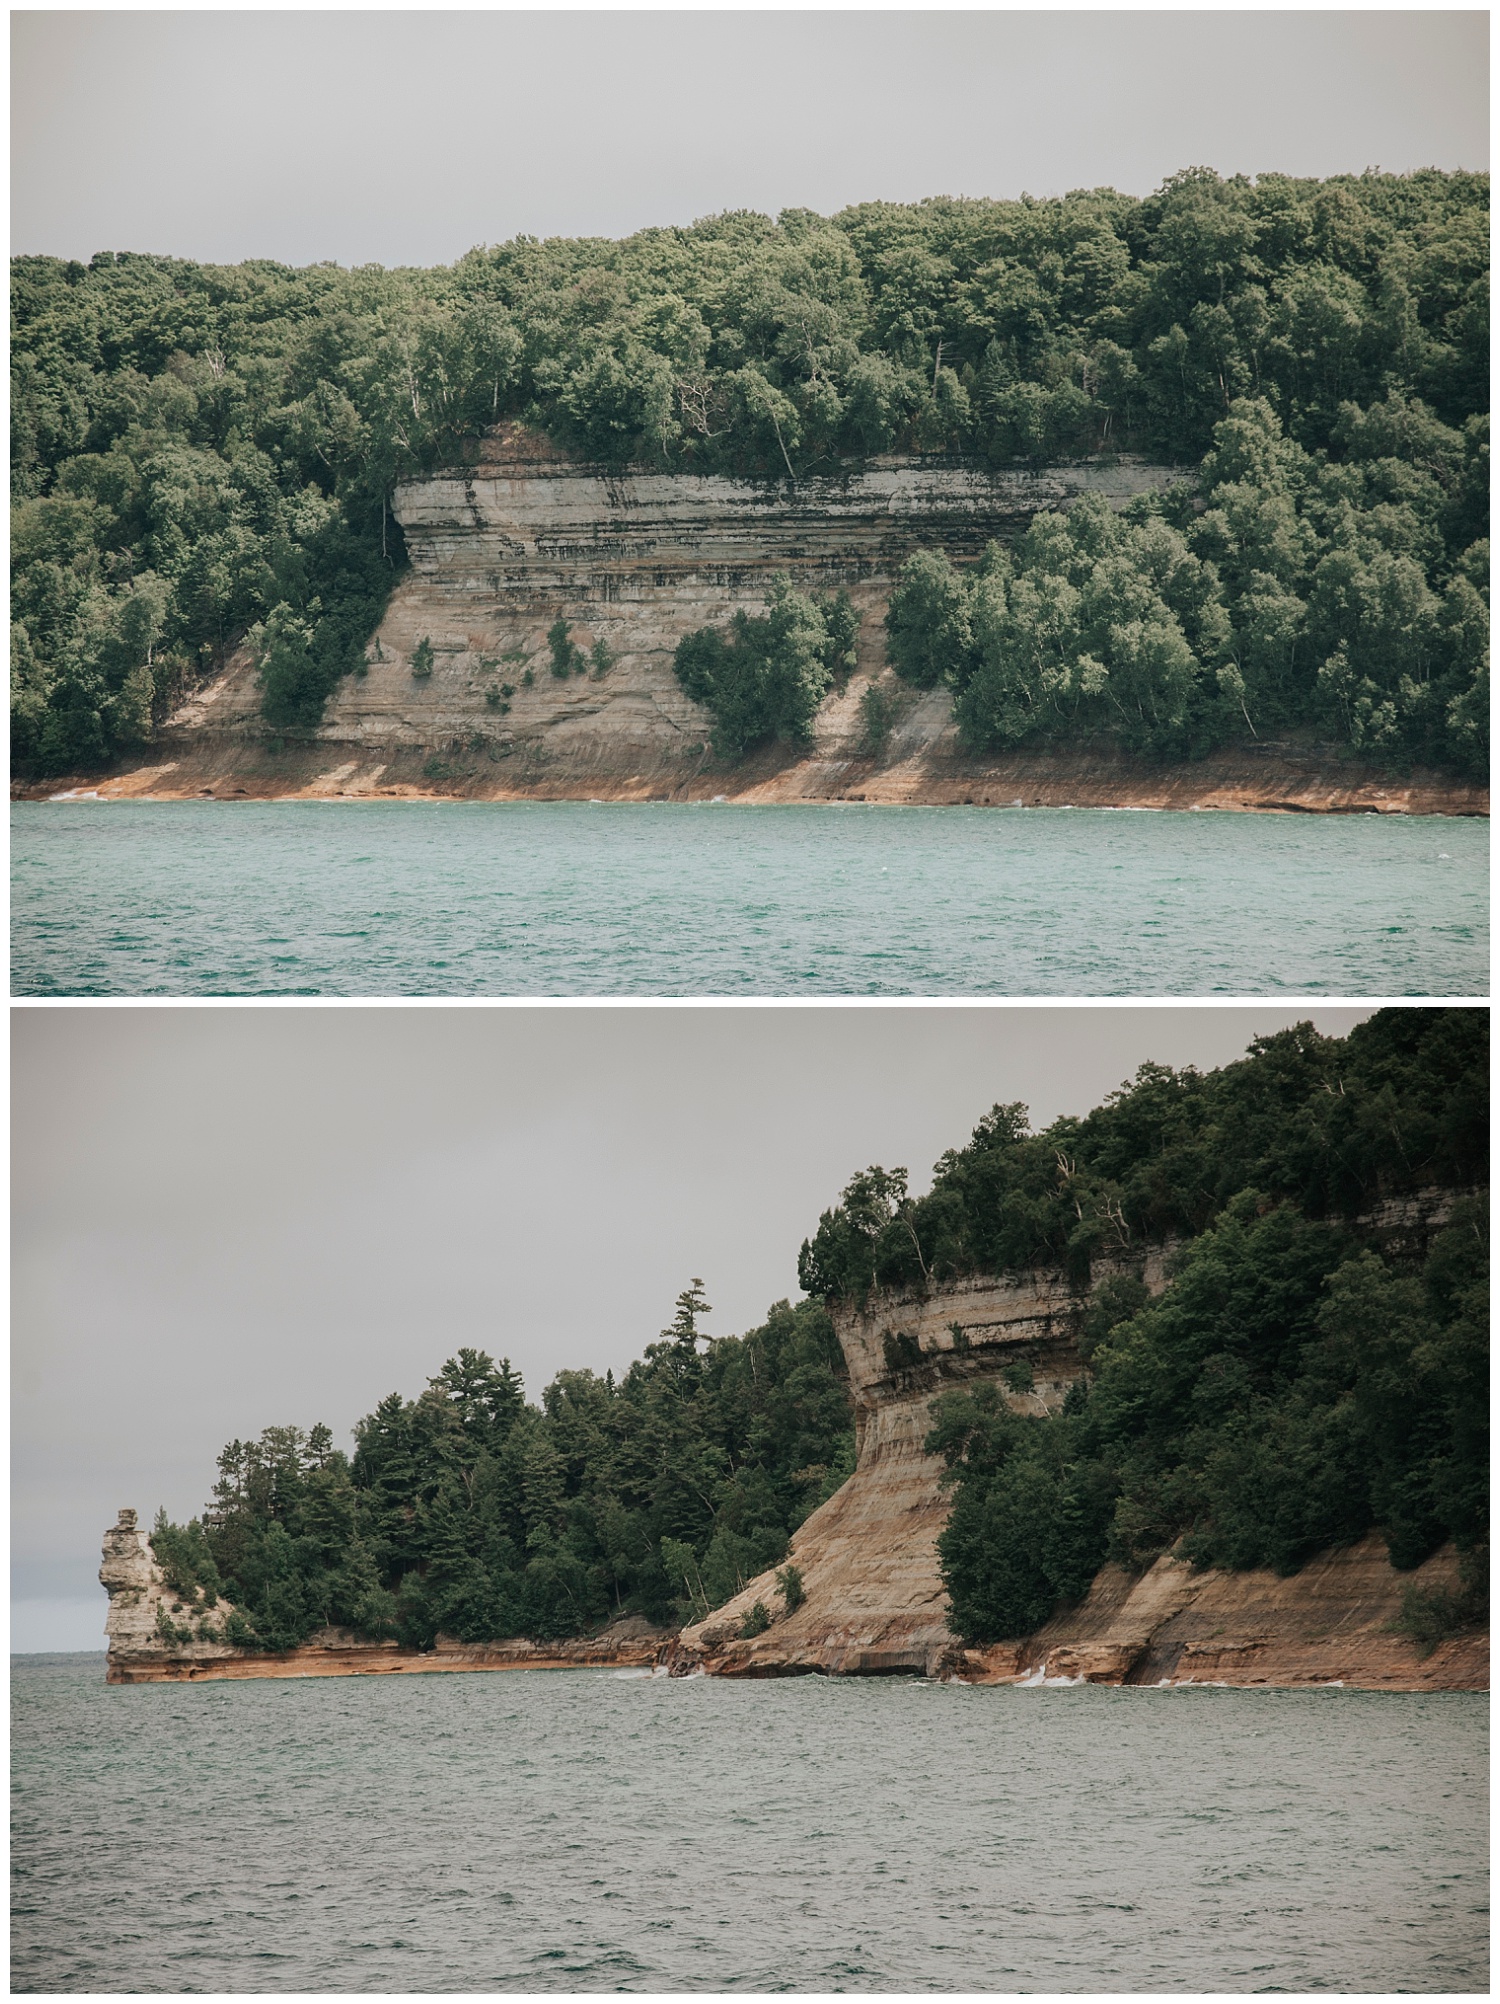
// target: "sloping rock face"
[[868, 1557], [875, 1600], [1331, 1623]]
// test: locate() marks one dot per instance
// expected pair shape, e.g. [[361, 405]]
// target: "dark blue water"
[[590, 1831], [483, 898]]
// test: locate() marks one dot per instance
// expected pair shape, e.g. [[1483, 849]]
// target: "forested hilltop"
[[203, 452], [1297, 1383]]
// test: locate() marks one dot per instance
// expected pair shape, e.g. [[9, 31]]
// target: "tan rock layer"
[[874, 1597], [333, 1654], [1330, 1623]]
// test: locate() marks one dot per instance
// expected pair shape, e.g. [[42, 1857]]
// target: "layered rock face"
[[153, 1632], [868, 1557], [635, 560], [1331, 1623], [874, 1597]]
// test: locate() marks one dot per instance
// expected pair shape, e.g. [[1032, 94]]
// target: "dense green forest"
[[471, 1511], [1346, 595], [203, 452], [1293, 1387]]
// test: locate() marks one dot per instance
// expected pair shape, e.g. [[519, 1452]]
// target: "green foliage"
[[1342, 595], [878, 711], [756, 1622], [768, 678], [928, 625], [1030, 1518], [1297, 1384], [469, 1512], [421, 658], [793, 1592], [567, 657], [1329, 1124], [173, 1632], [1437, 1614], [1291, 1390], [187, 1561], [236, 433]]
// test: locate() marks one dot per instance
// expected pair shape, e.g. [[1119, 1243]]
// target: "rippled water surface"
[[589, 1830], [483, 898]]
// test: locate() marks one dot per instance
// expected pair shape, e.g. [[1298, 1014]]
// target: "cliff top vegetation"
[[1297, 1384], [1330, 1124]]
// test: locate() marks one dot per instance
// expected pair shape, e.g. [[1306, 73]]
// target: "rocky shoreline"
[[1329, 1625], [1270, 782], [875, 1604]]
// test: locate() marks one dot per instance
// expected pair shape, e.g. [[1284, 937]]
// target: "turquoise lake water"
[[407, 898], [596, 1831]]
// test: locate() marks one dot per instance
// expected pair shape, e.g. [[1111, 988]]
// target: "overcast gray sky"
[[226, 1219], [409, 137]]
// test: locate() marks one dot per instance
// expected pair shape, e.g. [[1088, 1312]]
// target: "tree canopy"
[[1306, 1375], [1347, 595], [200, 450], [471, 1511]]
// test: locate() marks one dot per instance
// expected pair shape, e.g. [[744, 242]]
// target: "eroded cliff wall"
[[874, 1597], [502, 548], [868, 1557], [875, 1600], [636, 560]]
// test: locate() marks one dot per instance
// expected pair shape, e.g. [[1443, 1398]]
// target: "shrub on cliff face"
[[1437, 1614], [186, 1560], [768, 676], [568, 657]]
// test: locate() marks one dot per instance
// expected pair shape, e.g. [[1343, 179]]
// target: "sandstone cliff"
[[868, 1557], [633, 559], [149, 1623]]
